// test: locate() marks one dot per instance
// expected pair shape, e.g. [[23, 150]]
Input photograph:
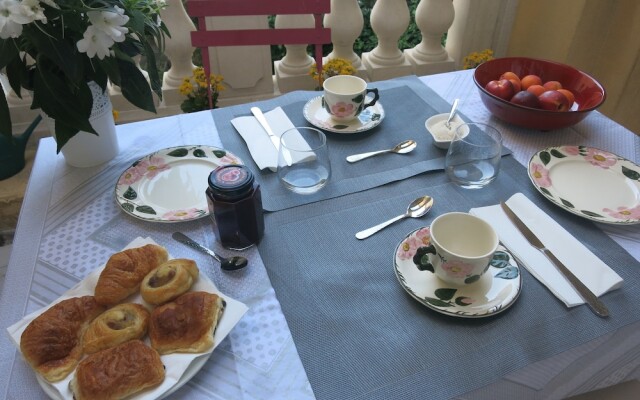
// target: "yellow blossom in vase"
[[194, 88], [476, 58], [335, 66]]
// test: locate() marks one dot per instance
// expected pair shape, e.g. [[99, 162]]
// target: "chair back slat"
[[260, 37], [225, 8]]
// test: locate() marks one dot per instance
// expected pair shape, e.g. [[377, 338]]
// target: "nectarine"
[[554, 101], [515, 80], [536, 89], [552, 85], [530, 80], [526, 98], [569, 96], [503, 88]]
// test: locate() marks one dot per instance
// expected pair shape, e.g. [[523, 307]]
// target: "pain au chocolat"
[[169, 280], [187, 324], [117, 325], [52, 342], [117, 372], [125, 270]]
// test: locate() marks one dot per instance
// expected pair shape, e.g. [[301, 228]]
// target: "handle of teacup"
[[376, 97], [421, 258]]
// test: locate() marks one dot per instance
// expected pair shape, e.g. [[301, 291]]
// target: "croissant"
[[125, 270], [117, 325], [168, 281], [187, 324], [52, 343], [117, 372]]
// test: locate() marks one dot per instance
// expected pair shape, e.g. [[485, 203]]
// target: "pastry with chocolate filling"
[[117, 372], [187, 324], [52, 343], [117, 325], [169, 280], [125, 270]]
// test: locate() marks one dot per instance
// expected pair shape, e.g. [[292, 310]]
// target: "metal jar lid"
[[231, 182]]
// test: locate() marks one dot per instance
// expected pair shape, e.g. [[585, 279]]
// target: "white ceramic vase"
[[86, 149]]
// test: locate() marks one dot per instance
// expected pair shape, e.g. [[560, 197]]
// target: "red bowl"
[[589, 94]]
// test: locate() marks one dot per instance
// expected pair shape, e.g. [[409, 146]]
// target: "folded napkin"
[[594, 273], [262, 150]]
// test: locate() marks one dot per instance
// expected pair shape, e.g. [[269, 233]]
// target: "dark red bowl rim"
[[537, 110]]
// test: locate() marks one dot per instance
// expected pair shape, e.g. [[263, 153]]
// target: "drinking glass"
[[303, 160], [473, 158]]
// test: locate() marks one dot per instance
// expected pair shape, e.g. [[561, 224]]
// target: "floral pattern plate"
[[169, 185], [589, 182], [493, 293], [320, 118]]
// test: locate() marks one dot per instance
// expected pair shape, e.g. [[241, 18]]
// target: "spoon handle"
[[362, 156], [368, 232], [184, 239], [452, 113]]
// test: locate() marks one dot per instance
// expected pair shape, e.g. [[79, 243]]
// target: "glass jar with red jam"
[[235, 206]]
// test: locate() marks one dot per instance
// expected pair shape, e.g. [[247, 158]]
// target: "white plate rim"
[[515, 284], [133, 206], [311, 107], [556, 157]]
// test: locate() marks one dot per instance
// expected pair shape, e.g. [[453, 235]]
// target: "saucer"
[[493, 293], [317, 116]]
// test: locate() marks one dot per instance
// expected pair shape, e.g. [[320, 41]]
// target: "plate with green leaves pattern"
[[315, 113], [591, 183], [169, 185], [495, 291]]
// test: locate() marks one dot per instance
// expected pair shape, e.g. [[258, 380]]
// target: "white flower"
[[95, 42], [110, 23], [9, 12], [28, 11]]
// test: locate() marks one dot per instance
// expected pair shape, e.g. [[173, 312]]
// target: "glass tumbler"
[[473, 158], [303, 160]]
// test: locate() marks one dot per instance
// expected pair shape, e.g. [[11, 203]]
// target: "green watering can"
[[12, 151]]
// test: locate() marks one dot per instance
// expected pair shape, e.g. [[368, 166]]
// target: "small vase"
[[86, 149]]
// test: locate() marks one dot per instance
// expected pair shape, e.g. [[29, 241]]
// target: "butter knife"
[[274, 139], [587, 295]]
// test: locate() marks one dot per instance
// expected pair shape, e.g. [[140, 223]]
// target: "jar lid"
[[231, 181]]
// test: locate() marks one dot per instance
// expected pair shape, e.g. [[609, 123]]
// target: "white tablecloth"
[[69, 222]]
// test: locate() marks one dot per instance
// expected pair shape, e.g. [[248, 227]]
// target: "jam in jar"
[[235, 206]]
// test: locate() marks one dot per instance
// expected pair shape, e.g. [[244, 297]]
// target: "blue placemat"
[[361, 336], [407, 103]]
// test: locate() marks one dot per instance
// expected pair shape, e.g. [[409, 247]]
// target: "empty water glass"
[[473, 158], [303, 160]]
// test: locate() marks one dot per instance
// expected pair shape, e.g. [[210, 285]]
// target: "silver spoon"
[[451, 113], [401, 148], [416, 209], [228, 264]]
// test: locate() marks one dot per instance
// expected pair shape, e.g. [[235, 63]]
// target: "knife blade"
[[274, 139], [587, 295]]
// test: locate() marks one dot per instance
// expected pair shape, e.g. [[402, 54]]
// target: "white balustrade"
[[292, 72], [389, 20], [346, 23]]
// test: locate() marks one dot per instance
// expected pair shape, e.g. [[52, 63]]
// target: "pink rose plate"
[[316, 115], [588, 182]]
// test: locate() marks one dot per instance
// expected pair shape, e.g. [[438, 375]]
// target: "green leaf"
[[437, 303], [544, 157], [127, 206], [130, 194], [557, 154], [8, 52], [152, 70], [5, 116], [219, 153], [181, 152], [146, 210], [566, 203], [472, 278], [375, 116], [199, 153], [17, 74], [358, 98], [500, 259], [510, 272], [462, 301], [135, 87], [545, 191], [445, 293], [631, 174], [591, 214], [60, 52]]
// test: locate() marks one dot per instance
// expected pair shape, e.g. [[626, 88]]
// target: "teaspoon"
[[228, 264], [418, 208], [451, 113], [401, 148]]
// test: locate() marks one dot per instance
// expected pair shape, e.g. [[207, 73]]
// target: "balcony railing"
[[248, 72]]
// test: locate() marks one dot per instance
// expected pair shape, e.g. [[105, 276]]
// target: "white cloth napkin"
[[260, 146], [594, 273]]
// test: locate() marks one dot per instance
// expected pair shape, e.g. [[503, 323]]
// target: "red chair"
[[203, 38]]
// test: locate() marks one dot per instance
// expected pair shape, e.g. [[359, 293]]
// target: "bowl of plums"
[[537, 94]]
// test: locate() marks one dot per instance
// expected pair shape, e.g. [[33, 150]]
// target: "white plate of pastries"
[[138, 327]]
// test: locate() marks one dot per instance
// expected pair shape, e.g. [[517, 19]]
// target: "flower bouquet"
[[335, 66], [54, 48], [195, 89]]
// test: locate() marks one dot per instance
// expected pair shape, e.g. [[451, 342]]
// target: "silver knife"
[[274, 139], [587, 295]]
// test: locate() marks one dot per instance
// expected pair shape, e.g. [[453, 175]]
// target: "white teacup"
[[462, 247], [344, 97]]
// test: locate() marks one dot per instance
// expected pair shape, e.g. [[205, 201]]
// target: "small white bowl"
[[442, 136]]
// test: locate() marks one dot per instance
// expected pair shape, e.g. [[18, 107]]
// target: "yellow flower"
[[476, 58], [116, 114], [335, 66], [194, 88]]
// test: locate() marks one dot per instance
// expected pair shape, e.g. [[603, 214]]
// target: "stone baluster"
[[433, 18], [292, 72], [346, 23], [178, 50], [389, 20]]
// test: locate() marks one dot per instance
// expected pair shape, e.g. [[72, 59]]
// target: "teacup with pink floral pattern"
[[345, 97], [461, 248]]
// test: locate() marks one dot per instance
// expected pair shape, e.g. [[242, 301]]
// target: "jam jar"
[[235, 206]]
